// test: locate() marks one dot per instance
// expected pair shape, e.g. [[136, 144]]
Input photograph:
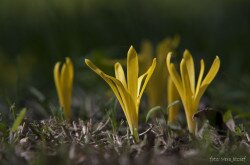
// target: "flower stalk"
[[172, 96]]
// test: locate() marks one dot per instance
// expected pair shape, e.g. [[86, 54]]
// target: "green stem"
[[135, 135], [191, 123]]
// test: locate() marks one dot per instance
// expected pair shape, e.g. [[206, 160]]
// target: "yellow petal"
[[58, 82], [120, 92], [185, 82], [68, 84], [148, 74], [190, 68], [129, 103], [174, 75], [65, 82], [64, 78], [202, 68], [209, 78], [212, 72], [140, 79], [71, 70], [110, 83], [132, 72], [119, 74]]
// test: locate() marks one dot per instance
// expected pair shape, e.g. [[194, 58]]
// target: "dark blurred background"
[[34, 34]]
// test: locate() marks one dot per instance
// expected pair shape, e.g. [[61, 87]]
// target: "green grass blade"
[[18, 120], [152, 111]]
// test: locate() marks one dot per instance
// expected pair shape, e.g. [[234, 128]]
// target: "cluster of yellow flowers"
[[165, 84]]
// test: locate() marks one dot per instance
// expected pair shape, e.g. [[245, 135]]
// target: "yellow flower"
[[189, 91], [64, 82], [157, 90], [128, 91], [161, 86], [157, 87]]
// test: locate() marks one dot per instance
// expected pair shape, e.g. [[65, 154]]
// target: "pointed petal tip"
[[68, 62], [187, 54], [86, 60], [217, 60], [132, 50], [117, 64], [168, 59], [58, 63], [202, 62], [183, 61], [154, 60], [57, 67], [169, 56], [182, 64]]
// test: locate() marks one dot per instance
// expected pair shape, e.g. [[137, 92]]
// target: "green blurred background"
[[34, 34]]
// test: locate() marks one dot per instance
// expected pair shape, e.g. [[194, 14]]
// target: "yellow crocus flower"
[[157, 90], [161, 86], [185, 83], [64, 81], [128, 91]]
